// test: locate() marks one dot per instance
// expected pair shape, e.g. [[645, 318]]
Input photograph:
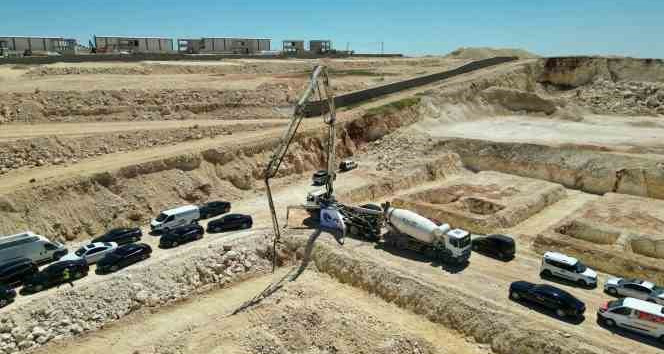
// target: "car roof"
[[553, 290], [643, 306], [644, 283], [15, 261], [561, 258], [504, 238], [179, 210]]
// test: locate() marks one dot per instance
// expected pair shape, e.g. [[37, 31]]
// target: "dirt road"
[[329, 320], [73, 130]]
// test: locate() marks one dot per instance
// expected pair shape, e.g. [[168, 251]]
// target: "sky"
[[552, 27]]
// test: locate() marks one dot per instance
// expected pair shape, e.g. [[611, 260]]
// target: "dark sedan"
[[230, 222], [57, 273], [558, 300], [212, 209], [180, 235], [7, 295], [15, 272], [121, 236], [499, 246], [123, 256]]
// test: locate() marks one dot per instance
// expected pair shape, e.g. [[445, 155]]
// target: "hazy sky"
[[553, 27]]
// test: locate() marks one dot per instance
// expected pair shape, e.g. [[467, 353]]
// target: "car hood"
[[589, 273], [70, 257], [613, 281], [155, 223]]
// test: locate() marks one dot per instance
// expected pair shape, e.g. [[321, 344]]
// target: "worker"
[[66, 277]]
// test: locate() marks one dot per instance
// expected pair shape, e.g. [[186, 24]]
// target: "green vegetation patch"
[[393, 107]]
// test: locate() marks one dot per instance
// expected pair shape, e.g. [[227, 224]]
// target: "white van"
[[172, 218], [636, 315], [29, 245]]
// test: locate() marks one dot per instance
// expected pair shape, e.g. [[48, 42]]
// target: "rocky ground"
[[623, 97]]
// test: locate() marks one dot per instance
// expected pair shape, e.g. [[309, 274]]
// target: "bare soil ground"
[[360, 297]]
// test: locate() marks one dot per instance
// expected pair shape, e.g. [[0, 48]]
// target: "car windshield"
[[658, 289], [80, 251], [161, 217], [580, 267], [615, 303]]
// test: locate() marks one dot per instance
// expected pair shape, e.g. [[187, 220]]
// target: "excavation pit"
[[483, 202]]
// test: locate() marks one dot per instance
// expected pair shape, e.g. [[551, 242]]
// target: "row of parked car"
[[639, 307], [21, 254]]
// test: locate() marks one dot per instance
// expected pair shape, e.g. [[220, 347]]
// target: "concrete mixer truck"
[[408, 230]]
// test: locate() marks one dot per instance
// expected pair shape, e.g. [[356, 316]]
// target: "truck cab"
[[458, 242]]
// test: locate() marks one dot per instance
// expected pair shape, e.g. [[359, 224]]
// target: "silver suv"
[[565, 267], [636, 288]]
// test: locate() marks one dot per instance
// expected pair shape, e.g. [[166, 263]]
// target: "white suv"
[[563, 266]]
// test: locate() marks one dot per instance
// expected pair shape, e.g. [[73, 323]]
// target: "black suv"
[[180, 235], [500, 246], [7, 295], [230, 222], [558, 300], [212, 209], [121, 235], [56, 274], [15, 272], [123, 256]]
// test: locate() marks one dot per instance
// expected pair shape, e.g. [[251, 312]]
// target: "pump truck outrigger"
[[363, 222]]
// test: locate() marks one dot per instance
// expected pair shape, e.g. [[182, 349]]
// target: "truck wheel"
[[114, 268], [174, 244]]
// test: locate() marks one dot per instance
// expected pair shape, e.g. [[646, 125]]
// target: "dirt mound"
[[486, 52], [516, 100], [623, 97], [570, 72]]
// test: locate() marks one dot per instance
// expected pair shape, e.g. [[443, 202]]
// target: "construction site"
[[563, 154]]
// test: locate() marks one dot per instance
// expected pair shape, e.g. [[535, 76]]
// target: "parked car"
[[320, 177], [180, 235], [558, 300], [92, 253], [7, 295], [635, 288], [565, 267], [56, 274], [15, 272], [123, 256], [635, 315], [347, 165], [212, 209], [500, 246], [35, 247], [121, 235], [172, 218], [230, 222]]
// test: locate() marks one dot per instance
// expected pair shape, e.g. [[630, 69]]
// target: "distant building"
[[292, 46], [28, 45], [320, 46], [111, 44], [220, 45]]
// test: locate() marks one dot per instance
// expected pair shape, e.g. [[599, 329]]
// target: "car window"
[[96, 250], [50, 247], [161, 217], [80, 252], [170, 218], [626, 311], [638, 288]]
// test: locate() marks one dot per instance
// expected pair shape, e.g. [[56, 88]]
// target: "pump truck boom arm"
[[314, 88]]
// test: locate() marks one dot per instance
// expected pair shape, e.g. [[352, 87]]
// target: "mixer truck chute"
[[408, 230]]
